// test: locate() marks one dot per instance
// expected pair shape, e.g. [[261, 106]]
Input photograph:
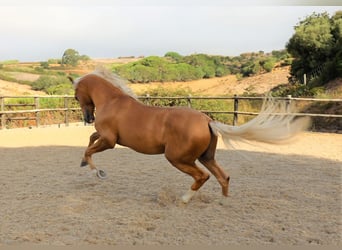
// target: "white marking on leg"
[[188, 195], [94, 171], [224, 201]]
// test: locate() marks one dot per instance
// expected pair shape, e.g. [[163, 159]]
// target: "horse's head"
[[84, 99]]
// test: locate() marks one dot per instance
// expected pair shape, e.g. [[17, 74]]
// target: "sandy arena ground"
[[281, 195]]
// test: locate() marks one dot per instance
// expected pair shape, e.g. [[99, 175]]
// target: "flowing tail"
[[275, 124]]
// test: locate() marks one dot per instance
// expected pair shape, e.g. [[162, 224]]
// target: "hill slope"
[[227, 85], [12, 88]]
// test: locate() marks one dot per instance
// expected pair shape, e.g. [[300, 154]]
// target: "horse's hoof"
[[101, 174], [83, 163], [224, 201]]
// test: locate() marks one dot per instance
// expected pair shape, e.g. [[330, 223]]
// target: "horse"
[[182, 134]]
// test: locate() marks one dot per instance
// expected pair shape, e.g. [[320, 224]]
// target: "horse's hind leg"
[[208, 160], [218, 172], [199, 176]]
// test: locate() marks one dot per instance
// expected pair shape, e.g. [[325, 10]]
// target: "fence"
[[35, 109], [29, 108]]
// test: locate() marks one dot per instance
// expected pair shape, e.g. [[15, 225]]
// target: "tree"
[[70, 57], [315, 44]]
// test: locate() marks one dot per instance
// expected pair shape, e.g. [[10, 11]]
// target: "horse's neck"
[[102, 95]]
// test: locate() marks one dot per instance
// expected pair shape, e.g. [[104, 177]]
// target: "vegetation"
[[52, 81], [175, 67], [53, 85], [171, 67], [46, 117], [72, 57], [178, 98], [317, 48]]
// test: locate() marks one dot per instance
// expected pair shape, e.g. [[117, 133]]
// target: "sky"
[[39, 30]]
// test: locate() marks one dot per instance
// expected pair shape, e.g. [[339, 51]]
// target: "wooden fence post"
[[2, 116], [36, 103], [66, 106], [304, 79], [189, 101], [236, 110], [288, 103], [148, 99]]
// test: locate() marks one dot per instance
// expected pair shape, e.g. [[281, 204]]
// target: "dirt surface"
[[280, 195], [13, 89]]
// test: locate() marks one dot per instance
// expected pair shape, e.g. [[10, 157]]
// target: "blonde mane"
[[112, 78]]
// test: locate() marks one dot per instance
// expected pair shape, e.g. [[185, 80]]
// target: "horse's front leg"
[[96, 144], [93, 138]]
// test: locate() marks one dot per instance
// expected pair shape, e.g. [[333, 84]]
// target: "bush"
[[268, 64], [295, 90], [198, 104], [174, 56], [44, 65], [53, 85], [164, 92], [250, 68], [174, 67]]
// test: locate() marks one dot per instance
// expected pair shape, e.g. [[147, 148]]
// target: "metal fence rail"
[[34, 110]]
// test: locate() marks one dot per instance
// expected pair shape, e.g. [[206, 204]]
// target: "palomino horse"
[[182, 134]]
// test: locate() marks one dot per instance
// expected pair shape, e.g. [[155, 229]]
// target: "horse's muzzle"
[[89, 117]]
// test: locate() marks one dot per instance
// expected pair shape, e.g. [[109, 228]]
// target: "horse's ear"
[[71, 80]]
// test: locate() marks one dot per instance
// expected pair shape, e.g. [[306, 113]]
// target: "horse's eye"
[[76, 98]]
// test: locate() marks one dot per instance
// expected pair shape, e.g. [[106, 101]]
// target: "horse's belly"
[[144, 147]]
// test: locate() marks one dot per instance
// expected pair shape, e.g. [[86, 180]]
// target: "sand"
[[279, 195]]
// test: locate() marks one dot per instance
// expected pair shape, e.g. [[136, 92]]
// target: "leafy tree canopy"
[[316, 45], [72, 57]]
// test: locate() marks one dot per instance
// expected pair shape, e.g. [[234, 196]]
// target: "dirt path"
[[284, 195]]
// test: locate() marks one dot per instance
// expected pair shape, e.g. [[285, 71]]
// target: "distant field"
[[228, 85]]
